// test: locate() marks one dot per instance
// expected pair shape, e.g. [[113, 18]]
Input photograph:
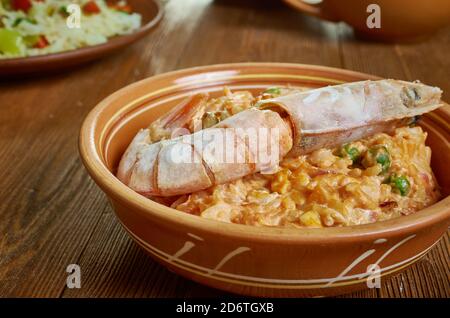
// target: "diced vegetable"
[[209, 119], [10, 41], [382, 157], [125, 8], [350, 152], [23, 5], [378, 154], [273, 91], [311, 219], [30, 40], [91, 8], [41, 42], [36, 41], [6, 4], [63, 10], [17, 21], [20, 20], [400, 184]]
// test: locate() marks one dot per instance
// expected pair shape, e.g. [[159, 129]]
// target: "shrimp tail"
[[220, 154], [186, 116]]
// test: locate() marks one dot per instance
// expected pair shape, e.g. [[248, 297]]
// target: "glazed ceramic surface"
[[254, 260], [151, 12], [404, 20]]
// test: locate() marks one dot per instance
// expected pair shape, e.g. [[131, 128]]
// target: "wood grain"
[[51, 212]]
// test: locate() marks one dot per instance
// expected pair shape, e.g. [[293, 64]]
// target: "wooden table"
[[52, 214]]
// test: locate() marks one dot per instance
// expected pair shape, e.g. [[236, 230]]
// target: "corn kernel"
[[373, 171], [355, 172], [311, 219], [303, 179], [298, 197], [281, 183], [259, 194], [280, 187], [288, 203], [352, 187], [292, 163]]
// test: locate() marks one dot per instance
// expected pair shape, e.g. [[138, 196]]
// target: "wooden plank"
[[114, 266], [235, 31], [50, 205], [428, 61]]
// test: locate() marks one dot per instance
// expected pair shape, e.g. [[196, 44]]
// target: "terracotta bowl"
[[401, 20], [151, 13], [244, 259]]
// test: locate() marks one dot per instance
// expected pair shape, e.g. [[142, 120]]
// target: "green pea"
[[273, 91], [378, 154], [382, 157], [400, 184], [351, 152]]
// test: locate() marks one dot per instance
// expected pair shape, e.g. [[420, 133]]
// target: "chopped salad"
[[36, 27]]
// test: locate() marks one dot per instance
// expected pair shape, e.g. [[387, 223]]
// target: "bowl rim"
[[113, 187], [83, 51]]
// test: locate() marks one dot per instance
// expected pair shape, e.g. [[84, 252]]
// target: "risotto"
[[365, 181]]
